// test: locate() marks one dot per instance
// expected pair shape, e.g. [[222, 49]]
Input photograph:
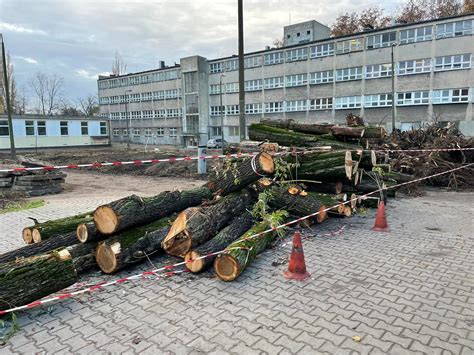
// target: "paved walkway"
[[407, 291]]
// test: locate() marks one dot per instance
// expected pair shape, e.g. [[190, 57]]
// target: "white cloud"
[[88, 74], [27, 59], [4, 26]]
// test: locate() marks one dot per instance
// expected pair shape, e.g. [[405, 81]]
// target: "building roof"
[[31, 116], [103, 77]]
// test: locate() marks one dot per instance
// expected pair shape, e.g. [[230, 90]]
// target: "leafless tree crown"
[[118, 65], [47, 88]]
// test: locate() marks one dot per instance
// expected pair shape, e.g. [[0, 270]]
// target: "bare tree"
[[419, 10], [412, 11], [88, 105], [47, 88], [68, 108], [445, 8], [346, 24], [374, 18], [12, 86], [118, 65]]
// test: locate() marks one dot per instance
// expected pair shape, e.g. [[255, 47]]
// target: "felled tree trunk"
[[196, 225], [226, 236], [297, 205], [374, 132], [27, 280], [240, 254], [134, 211], [48, 229], [366, 158], [313, 128], [327, 187], [260, 132], [244, 172], [45, 246], [87, 232], [82, 256], [332, 166], [349, 132], [132, 246]]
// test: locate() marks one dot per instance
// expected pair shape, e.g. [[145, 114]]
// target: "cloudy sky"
[[77, 38]]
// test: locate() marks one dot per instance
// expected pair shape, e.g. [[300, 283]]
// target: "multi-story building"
[[312, 78]]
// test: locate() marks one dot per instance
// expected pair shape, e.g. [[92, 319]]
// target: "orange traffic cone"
[[381, 219], [297, 266]]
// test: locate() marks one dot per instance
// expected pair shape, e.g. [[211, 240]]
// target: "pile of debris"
[[32, 183]]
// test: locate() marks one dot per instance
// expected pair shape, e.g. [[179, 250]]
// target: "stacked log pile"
[[32, 183], [241, 198]]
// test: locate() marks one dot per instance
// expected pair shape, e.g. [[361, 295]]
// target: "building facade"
[[313, 79], [34, 131]]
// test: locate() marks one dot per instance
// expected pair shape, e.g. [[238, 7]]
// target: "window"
[[408, 67], [171, 94], [134, 97], [115, 132], [161, 113], [253, 85], [452, 62], [104, 100], [173, 132], [297, 54], [30, 128], [416, 35], [349, 74], [321, 77], [232, 65], [271, 107], [84, 128], [216, 132], [147, 114], [273, 83], [382, 40], [146, 96], [273, 58], [232, 109], [41, 128], [295, 105], [321, 104], [348, 102], [378, 71], [450, 96], [234, 131], [350, 45], [217, 110], [454, 29], [231, 87], [63, 127], [160, 131], [158, 95], [413, 98], [103, 128], [135, 80], [136, 114], [216, 67], [136, 132], [253, 109], [322, 50], [174, 112], [4, 130], [125, 132], [147, 132], [379, 100], [296, 80], [214, 89], [115, 115], [253, 62]]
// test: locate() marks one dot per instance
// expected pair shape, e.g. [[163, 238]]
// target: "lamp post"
[[127, 118], [393, 88], [222, 111], [7, 99]]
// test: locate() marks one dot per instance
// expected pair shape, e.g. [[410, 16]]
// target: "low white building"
[[36, 131]]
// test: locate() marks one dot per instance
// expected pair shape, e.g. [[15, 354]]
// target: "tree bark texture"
[[374, 132], [196, 225], [26, 280], [226, 236], [135, 211], [313, 128], [87, 232]]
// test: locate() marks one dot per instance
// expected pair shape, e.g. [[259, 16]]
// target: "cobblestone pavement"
[[406, 291]]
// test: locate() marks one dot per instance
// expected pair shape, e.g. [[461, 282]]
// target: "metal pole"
[[242, 126], [7, 99], [222, 112], [393, 91]]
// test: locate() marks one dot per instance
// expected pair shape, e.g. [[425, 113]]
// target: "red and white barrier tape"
[[167, 269], [423, 150]]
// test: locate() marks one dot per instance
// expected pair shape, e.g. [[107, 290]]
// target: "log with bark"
[[26, 280], [240, 254], [87, 232], [331, 166], [349, 132], [261, 132], [45, 246], [313, 128], [327, 187], [239, 174], [134, 211], [196, 225], [226, 236], [48, 229], [132, 246], [374, 132], [82, 256]]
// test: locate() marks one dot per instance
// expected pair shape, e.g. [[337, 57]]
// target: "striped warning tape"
[[168, 270]]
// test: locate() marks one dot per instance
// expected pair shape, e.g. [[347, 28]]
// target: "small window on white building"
[[351, 45], [231, 87], [321, 77], [136, 132], [272, 107], [63, 127], [116, 132], [103, 128], [296, 80], [453, 62], [381, 40], [4, 130], [417, 66], [216, 67], [378, 100], [297, 54], [125, 132], [273, 83], [173, 132], [84, 128], [147, 132], [346, 74], [321, 104], [232, 109], [346, 102], [214, 89], [295, 105], [454, 29], [252, 62], [448, 96], [41, 128], [322, 50], [413, 98], [234, 131], [378, 71], [30, 128], [253, 109], [416, 35], [253, 85], [160, 131], [232, 65], [273, 58]]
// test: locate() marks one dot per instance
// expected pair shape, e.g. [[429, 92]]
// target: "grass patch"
[[21, 206]]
